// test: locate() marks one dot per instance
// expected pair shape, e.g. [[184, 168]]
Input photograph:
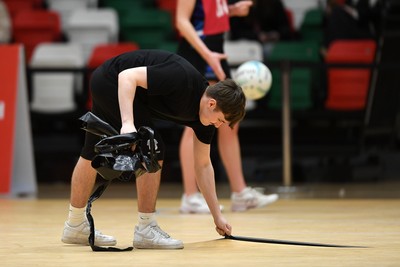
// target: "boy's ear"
[[212, 103]]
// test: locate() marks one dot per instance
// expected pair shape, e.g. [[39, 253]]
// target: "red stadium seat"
[[14, 6], [35, 26], [169, 6], [351, 51], [290, 16], [348, 87], [106, 51]]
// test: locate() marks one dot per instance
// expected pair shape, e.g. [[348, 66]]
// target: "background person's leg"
[[229, 150], [192, 200]]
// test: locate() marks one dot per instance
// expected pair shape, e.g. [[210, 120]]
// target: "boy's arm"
[[128, 80], [206, 181]]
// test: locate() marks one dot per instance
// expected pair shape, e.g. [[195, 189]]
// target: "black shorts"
[[216, 44], [105, 105]]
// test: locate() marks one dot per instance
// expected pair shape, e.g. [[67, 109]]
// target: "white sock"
[[76, 216], [145, 219]]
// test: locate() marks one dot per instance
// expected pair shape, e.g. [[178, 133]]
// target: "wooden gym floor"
[[337, 214]]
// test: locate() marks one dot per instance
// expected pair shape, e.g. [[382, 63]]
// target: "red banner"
[[9, 68]]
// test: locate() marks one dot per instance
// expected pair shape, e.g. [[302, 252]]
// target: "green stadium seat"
[[300, 93], [171, 46], [311, 27], [146, 27], [126, 6], [297, 51], [302, 79]]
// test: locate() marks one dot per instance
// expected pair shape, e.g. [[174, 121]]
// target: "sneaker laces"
[[87, 228], [159, 231], [98, 233]]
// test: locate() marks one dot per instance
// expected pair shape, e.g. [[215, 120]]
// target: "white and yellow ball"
[[255, 79]]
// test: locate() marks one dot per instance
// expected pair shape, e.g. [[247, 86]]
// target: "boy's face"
[[209, 114]]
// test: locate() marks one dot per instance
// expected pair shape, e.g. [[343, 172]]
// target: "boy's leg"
[[147, 233], [76, 228]]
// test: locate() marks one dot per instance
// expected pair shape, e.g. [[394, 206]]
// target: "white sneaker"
[[195, 204], [251, 198], [153, 237], [80, 234]]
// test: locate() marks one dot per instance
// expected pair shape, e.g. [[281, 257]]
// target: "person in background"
[[350, 20], [268, 23], [203, 25]]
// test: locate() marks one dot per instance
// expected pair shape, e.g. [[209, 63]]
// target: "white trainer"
[[153, 237], [251, 198], [195, 204], [80, 234]]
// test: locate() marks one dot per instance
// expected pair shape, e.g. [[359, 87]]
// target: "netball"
[[255, 79]]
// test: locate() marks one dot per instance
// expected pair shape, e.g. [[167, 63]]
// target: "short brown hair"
[[230, 100]]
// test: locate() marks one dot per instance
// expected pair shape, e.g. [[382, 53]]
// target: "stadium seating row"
[[84, 22], [55, 92], [347, 88], [82, 28]]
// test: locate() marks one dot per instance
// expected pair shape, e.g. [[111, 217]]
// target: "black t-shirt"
[[174, 90]]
